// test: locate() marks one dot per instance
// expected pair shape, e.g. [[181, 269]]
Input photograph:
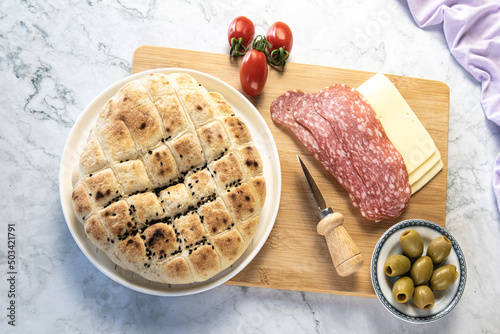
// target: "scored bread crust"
[[169, 184]]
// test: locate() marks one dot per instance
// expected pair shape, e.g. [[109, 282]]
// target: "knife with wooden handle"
[[343, 251]]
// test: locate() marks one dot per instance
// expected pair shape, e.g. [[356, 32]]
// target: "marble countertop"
[[56, 56]]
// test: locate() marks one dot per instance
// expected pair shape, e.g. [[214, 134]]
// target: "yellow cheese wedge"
[[409, 136]]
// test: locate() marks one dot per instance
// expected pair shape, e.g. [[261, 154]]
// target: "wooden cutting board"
[[295, 257]]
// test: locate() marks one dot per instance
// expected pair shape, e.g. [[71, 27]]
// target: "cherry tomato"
[[281, 38], [253, 72], [240, 34]]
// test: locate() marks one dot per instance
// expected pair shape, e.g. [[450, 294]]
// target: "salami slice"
[[343, 132], [332, 153], [282, 112], [375, 159]]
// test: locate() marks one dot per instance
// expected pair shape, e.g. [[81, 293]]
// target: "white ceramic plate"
[[388, 245], [263, 140]]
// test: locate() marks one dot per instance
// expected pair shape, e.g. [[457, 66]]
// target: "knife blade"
[[345, 254], [320, 201]]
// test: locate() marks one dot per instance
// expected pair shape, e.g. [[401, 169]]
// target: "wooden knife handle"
[[344, 252]]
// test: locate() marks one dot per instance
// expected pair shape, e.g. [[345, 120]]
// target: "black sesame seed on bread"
[[169, 184]]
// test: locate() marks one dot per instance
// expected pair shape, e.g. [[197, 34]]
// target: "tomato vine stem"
[[278, 57], [261, 44], [236, 47]]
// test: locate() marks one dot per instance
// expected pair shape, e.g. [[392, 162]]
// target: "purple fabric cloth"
[[472, 31]]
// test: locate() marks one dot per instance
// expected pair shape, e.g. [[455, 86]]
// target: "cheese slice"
[[425, 167], [417, 185], [406, 132]]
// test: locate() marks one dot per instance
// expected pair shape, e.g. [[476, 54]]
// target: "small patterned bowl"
[[388, 245]]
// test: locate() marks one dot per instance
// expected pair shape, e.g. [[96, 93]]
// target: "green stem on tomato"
[[236, 46], [261, 44], [278, 57]]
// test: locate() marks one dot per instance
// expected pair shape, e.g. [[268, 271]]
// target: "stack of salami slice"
[[344, 134]]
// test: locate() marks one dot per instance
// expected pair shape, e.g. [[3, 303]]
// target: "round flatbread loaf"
[[169, 184]]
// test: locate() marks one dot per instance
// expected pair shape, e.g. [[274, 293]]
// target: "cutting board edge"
[[276, 287]]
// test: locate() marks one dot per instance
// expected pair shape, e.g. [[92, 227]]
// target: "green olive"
[[397, 265], [421, 270], [443, 277], [412, 243], [439, 249], [402, 290], [423, 297]]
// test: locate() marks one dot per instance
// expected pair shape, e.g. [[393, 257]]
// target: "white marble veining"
[[56, 56]]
